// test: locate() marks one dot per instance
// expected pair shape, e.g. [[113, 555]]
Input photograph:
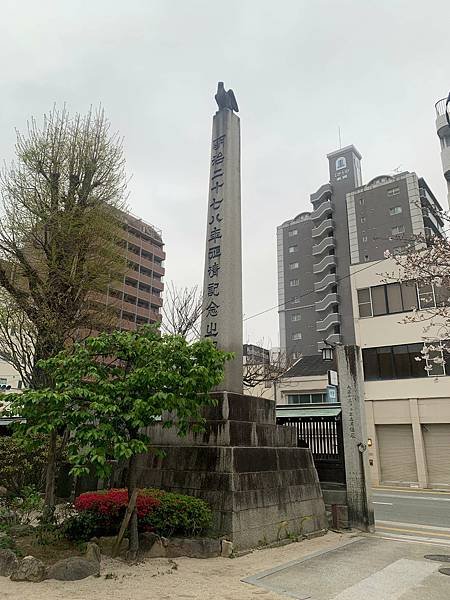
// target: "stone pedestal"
[[261, 487]]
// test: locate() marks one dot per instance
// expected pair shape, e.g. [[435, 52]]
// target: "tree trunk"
[[50, 479], [133, 527]]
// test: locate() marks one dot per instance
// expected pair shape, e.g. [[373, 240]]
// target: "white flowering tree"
[[429, 267]]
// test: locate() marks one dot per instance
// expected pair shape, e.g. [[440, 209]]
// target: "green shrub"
[[86, 525], [178, 515], [165, 513], [21, 467]]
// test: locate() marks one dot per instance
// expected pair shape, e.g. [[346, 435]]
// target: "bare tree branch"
[[181, 311]]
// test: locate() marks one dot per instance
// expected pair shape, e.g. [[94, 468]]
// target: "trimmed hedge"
[[165, 513]]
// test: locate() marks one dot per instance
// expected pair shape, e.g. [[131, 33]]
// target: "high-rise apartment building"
[[137, 298], [349, 223], [443, 131]]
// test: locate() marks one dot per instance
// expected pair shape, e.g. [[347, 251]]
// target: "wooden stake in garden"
[[130, 508]]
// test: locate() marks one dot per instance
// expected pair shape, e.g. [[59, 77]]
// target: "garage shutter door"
[[396, 452], [436, 438]]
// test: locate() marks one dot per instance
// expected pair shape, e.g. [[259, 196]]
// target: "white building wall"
[[416, 402]]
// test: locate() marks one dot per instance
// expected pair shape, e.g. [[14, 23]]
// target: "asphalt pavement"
[[365, 567], [412, 514]]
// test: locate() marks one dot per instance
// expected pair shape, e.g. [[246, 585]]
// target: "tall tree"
[[59, 230], [110, 389], [60, 224]]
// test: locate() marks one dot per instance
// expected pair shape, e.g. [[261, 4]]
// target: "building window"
[[364, 303], [434, 361], [293, 232], [361, 201], [3, 381], [296, 317], [387, 299], [294, 265], [364, 238], [393, 191], [296, 336], [402, 362], [341, 163], [395, 210], [363, 219], [296, 355], [294, 282], [426, 295], [314, 398], [292, 249], [366, 258], [398, 229], [19, 384]]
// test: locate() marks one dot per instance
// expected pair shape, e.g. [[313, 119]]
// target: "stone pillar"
[[222, 288], [360, 510], [419, 449]]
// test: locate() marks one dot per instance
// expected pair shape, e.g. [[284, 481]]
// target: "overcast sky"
[[299, 68]]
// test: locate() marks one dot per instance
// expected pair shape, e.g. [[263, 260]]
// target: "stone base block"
[[261, 487]]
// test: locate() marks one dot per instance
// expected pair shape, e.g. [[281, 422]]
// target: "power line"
[[310, 291]]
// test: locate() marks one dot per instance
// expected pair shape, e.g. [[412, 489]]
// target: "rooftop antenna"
[[340, 141]]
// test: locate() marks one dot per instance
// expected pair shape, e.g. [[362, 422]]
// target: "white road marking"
[[411, 539], [391, 582], [387, 503], [415, 525], [405, 497]]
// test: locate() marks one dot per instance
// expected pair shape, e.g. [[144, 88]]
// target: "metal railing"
[[440, 107]]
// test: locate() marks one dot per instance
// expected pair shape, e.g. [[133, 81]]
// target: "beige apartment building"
[[407, 401]]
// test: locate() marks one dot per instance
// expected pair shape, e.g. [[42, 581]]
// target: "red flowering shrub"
[[113, 503], [166, 513]]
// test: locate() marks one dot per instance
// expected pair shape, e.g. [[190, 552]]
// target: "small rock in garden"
[[93, 553], [8, 562], [227, 549], [29, 569], [73, 569], [3, 491], [146, 540], [106, 544], [157, 550]]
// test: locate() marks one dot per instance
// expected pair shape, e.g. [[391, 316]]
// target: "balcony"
[[326, 244], [440, 107], [325, 226], [324, 189], [322, 210], [329, 300], [327, 281], [330, 321], [333, 339], [328, 261], [441, 117]]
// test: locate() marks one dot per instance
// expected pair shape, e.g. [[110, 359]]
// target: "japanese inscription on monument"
[[222, 290]]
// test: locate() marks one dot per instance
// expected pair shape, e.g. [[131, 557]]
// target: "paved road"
[[365, 567], [420, 514]]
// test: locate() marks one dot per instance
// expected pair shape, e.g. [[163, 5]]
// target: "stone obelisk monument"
[[222, 287], [259, 484]]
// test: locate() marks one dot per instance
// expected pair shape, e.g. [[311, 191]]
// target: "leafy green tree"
[[60, 203], [110, 389]]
